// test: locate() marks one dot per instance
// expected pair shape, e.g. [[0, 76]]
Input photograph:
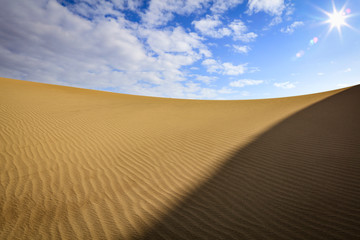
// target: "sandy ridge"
[[84, 164]]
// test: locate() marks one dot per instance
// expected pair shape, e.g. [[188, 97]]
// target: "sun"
[[337, 19]]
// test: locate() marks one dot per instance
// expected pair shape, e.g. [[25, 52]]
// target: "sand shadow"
[[298, 180]]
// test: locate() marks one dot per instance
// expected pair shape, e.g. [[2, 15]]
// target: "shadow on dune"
[[298, 180]]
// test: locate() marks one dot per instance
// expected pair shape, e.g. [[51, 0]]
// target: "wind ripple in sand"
[[82, 164]]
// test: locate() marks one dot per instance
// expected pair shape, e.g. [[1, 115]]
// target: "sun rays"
[[337, 19]]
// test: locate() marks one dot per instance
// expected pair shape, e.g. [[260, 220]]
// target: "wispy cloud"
[[212, 26], [275, 21], [98, 44], [240, 31], [273, 7], [245, 82], [205, 79], [212, 66], [160, 12], [285, 85], [241, 49], [291, 28], [52, 44], [347, 70], [224, 68], [234, 70], [276, 8], [221, 6]]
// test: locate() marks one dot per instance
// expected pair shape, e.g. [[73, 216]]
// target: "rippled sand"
[[84, 164]]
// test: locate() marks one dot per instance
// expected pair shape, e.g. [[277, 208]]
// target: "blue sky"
[[197, 49]]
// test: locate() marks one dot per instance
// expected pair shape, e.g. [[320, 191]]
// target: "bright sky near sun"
[[200, 49]]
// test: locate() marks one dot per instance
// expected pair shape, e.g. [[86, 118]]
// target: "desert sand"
[[85, 164]]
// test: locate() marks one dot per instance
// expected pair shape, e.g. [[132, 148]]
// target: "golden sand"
[[85, 164]]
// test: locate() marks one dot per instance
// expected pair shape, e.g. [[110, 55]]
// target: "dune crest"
[[84, 164]]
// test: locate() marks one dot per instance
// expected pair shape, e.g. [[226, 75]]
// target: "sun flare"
[[337, 19]]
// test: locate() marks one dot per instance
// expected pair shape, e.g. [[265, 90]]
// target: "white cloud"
[[211, 26], [120, 4], [77, 45], [276, 8], [241, 49], [320, 74], [291, 28], [205, 79], [46, 42], [224, 68], [245, 82], [289, 10], [240, 31], [210, 93], [348, 70], [175, 40], [226, 90], [211, 65], [285, 85], [96, 8], [162, 11], [272, 7], [230, 69], [221, 6], [275, 21]]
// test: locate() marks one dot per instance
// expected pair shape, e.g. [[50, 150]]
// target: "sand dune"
[[84, 164]]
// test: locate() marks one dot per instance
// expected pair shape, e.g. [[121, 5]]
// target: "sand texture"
[[84, 164]]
